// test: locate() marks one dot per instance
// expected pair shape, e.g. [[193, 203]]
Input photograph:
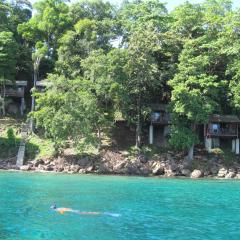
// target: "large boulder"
[[171, 165], [158, 169], [89, 169], [119, 166], [49, 168], [83, 162], [82, 171], [59, 168], [206, 173], [169, 173], [186, 172], [74, 168], [196, 174], [230, 175], [237, 176], [145, 171], [222, 172], [214, 170], [25, 168], [37, 162], [133, 168], [142, 158], [66, 169]]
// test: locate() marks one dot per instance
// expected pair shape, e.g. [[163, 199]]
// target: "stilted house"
[[159, 127], [222, 131], [15, 90]]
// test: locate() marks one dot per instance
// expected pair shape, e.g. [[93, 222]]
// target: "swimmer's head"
[[54, 206]]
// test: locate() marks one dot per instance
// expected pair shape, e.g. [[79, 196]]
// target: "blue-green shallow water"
[[150, 208]]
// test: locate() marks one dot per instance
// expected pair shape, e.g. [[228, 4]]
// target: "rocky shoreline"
[[166, 165]]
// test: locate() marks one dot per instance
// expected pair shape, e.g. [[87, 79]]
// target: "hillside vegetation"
[[98, 60]]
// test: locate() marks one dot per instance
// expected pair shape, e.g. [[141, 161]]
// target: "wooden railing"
[[13, 92], [164, 119], [222, 132]]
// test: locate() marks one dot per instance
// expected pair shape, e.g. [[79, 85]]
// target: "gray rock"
[[186, 172], [222, 172], [37, 162], [169, 173], [145, 171], [230, 175], [83, 162], [158, 169], [214, 170], [118, 167], [237, 176], [74, 168], [89, 169], [132, 168], [14, 167], [206, 173], [47, 161], [142, 159], [59, 168], [81, 171], [196, 174], [232, 170], [48, 168], [173, 166], [25, 168]]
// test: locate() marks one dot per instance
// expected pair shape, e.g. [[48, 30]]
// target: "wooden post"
[[151, 134], [33, 100], [237, 146], [190, 153], [237, 130], [208, 144], [22, 107], [139, 123], [233, 145]]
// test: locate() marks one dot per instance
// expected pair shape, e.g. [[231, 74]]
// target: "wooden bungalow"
[[222, 130], [16, 90], [159, 127]]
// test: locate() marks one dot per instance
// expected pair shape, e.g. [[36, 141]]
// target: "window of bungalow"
[[156, 116]]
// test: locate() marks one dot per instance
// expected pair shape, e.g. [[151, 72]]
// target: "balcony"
[[12, 92], [232, 132], [160, 118]]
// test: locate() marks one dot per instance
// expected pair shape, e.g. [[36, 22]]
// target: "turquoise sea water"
[[150, 208]]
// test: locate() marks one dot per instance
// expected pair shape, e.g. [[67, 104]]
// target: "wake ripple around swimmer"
[[112, 214]]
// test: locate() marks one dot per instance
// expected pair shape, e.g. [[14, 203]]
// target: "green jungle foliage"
[[99, 59]]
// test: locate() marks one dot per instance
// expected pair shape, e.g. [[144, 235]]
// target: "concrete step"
[[20, 155], [21, 151]]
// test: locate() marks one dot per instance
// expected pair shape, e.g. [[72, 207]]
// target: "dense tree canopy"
[[99, 59], [14, 54]]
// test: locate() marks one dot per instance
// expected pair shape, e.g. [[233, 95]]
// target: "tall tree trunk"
[[139, 123], [190, 154], [191, 149], [3, 103], [33, 100], [99, 138]]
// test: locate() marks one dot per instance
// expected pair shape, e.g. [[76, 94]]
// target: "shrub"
[[11, 139]]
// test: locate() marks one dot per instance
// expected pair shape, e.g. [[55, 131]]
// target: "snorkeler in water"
[[62, 210]]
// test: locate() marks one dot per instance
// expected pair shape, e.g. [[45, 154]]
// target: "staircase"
[[21, 151]]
